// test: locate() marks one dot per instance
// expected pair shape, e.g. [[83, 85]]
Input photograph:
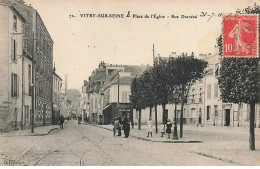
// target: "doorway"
[[227, 117]]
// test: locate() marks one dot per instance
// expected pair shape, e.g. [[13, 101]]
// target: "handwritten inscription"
[[208, 15]]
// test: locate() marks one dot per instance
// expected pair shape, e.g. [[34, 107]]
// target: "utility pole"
[[33, 87], [118, 84], [153, 55], [66, 86], [155, 107]]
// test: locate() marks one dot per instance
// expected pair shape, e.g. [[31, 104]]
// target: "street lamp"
[[176, 100]]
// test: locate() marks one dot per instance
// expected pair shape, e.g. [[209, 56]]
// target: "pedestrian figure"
[[150, 127], [162, 130], [126, 126], [199, 122], [119, 126], [61, 121], [169, 128], [115, 123], [132, 124]]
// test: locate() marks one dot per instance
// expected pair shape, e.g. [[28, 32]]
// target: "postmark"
[[240, 35]]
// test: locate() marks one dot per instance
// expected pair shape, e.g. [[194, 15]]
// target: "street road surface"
[[89, 145]]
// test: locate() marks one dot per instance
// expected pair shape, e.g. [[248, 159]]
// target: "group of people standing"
[[124, 124]]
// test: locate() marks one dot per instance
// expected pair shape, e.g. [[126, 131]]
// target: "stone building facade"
[[11, 68], [38, 45]]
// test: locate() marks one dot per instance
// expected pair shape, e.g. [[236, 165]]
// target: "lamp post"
[[176, 99]]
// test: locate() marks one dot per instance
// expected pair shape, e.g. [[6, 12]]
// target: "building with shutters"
[[38, 45], [100, 93], [11, 69]]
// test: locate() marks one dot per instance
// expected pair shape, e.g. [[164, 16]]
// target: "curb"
[[218, 158], [145, 139], [31, 134], [37, 134]]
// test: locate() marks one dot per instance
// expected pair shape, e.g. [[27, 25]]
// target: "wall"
[[10, 107], [114, 93]]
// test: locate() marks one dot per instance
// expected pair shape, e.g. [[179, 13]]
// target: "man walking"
[[119, 125], [126, 126], [61, 121]]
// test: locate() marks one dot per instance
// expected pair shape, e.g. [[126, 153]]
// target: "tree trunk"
[[238, 114], [151, 111], [181, 120], [155, 113], [164, 120], [139, 120], [252, 127]]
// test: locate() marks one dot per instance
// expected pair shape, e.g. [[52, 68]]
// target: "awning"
[[106, 107]]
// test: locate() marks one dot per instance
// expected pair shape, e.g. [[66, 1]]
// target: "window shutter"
[[12, 48], [15, 50], [17, 85], [12, 85]]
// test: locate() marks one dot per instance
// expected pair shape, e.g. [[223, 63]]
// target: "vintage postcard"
[[129, 83]]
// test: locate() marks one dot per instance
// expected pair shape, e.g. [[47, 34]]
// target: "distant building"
[[40, 45], [14, 106], [112, 103], [101, 98], [57, 84], [204, 101]]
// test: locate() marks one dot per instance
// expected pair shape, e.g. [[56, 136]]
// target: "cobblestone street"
[[92, 145]]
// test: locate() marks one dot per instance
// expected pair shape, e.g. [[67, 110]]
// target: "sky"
[[81, 43]]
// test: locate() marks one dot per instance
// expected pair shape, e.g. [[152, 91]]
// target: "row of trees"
[[239, 79], [157, 85]]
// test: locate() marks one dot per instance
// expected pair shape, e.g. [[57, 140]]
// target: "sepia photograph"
[[129, 83]]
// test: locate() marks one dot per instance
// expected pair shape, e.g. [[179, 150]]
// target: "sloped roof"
[[98, 75], [136, 70], [126, 80], [109, 79]]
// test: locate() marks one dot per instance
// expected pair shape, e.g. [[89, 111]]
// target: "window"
[[209, 91], [193, 113], [15, 23], [208, 112], [216, 110], [216, 90], [30, 79], [96, 103], [124, 96], [15, 87], [13, 49]]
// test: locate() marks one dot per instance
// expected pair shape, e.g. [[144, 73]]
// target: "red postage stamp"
[[240, 36]]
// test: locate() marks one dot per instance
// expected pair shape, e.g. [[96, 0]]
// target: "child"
[[150, 127], [162, 130], [168, 128]]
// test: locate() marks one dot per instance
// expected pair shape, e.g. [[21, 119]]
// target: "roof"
[[125, 80], [98, 75], [136, 70], [112, 76], [57, 75]]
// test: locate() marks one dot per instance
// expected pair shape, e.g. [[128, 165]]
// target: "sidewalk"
[[142, 135], [15, 144], [38, 131], [229, 144]]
